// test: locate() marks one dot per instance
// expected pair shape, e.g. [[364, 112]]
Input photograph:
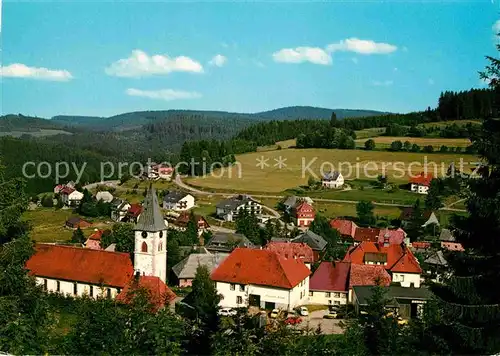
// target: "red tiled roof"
[[304, 208], [97, 235], [422, 179], [396, 237], [367, 275], [261, 267], [67, 190], [160, 294], [394, 254], [292, 250], [330, 276], [82, 265], [421, 244], [452, 246], [93, 244], [366, 234], [135, 210], [344, 227]]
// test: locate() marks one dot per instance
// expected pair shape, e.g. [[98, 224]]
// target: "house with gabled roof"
[[70, 196], [76, 222], [292, 201], [428, 217], [228, 209], [178, 201], [296, 250], [303, 214], [346, 228], [119, 209], [332, 180], [227, 242], [261, 278], [185, 270], [398, 261], [94, 240], [421, 183], [316, 242]]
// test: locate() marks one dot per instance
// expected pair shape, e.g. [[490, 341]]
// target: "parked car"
[[293, 320], [303, 311], [274, 313], [332, 314], [227, 312]]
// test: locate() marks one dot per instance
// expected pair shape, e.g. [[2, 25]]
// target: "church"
[[79, 271]]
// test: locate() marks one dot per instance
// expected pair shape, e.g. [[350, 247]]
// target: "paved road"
[[328, 326], [180, 183]]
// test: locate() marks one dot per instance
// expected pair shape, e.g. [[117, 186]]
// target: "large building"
[[261, 278], [84, 271]]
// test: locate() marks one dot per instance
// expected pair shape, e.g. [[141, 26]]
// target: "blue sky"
[[91, 58]]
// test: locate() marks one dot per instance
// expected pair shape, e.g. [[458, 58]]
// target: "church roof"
[[151, 218]]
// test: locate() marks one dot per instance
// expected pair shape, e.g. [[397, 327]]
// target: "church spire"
[[151, 218]]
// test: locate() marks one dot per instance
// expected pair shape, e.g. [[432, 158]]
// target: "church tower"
[[150, 254]]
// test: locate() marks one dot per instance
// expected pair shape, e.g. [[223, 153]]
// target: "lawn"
[[436, 142], [451, 122], [48, 224], [354, 164], [333, 210], [373, 132]]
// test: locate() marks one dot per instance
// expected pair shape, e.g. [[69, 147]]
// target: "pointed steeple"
[[151, 218]]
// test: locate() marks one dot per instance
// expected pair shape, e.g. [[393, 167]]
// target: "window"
[[144, 247], [329, 302], [58, 286], [239, 300], [44, 284], [311, 294], [336, 295], [242, 288], [231, 286], [91, 291], [75, 288], [108, 292], [336, 302], [402, 278], [328, 294]]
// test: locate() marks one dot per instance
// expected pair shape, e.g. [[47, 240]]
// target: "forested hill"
[[20, 122], [310, 112]]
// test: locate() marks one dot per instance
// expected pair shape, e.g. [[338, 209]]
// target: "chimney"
[[386, 238]]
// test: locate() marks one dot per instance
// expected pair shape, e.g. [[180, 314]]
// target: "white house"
[[105, 196], [421, 183], [228, 209], [332, 180], [119, 209], [178, 201], [70, 196], [261, 278]]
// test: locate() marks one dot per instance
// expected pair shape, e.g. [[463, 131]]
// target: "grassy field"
[[248, 177], [373, 132], [48, 224], [451, 122], [436, 142]]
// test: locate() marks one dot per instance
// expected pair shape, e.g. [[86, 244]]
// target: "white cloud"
[[384, 83], [496, 28], [218, 60], [164, 94], [314, 55], [361, 46], [18, 70], [140, 64], [430, 81]]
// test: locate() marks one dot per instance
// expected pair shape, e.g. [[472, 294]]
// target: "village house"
[[332, 180], [261, 278], [227, 242], [228, 209], [421, 183], [185, 270], [314, 241], [178, 201], [76, 271], [303, 215], [70, 196], [105, 196], [119, 209], [398, 260], [59, 187], [133, 213], [332, 282], [346, 228], [292, 201], [428, 216], [75, 222], [182, 220], [349, 230], [94, 240], [296, 250]]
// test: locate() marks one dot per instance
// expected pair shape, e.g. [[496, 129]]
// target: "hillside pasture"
[[300, 164], [451, 122], [372, 132], [37, 133], [436, 142]]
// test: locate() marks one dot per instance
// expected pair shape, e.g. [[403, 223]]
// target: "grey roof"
[[186, 269], [234, 202], [117, 202], [314, 241], [226, 242], [331, 176], [446, 235], [280, 239], [437, 258], [293, 200], [174, 196], [394, 293], [151, 218]]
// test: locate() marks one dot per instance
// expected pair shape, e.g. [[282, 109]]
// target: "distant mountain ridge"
[[132, 120]]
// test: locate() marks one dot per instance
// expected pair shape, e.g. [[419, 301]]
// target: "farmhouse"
[[332, 180], [178, 201], [292, 201], [185, 270], [133, 213], [251, 277], [119, 209], [227, 242], [398, 260], [346, 228], [295, 250], [75, 222], [183, 219], [303, 214], [421, 183], [314, 241], [228, 209], [428, 217], [70, 196], [94, 241]]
